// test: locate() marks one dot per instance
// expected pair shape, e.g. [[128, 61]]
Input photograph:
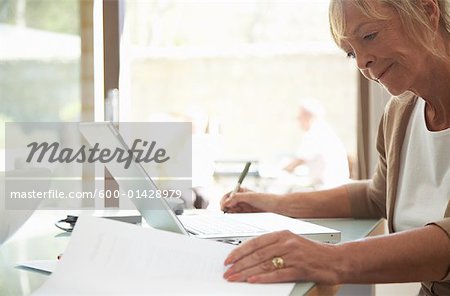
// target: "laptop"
[[230, 228]]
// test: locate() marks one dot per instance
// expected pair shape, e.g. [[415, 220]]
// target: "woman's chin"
[[393, 90]]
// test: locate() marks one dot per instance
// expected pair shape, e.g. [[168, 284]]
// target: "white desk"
[[39, 239]]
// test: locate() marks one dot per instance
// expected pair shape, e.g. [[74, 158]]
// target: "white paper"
[[43, 265], [113, 258]]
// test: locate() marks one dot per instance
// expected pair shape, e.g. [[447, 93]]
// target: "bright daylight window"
[[237, 70], [39, 62]]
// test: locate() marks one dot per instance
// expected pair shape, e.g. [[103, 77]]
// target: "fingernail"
[[233, 277], [229, 261], [230, 270]]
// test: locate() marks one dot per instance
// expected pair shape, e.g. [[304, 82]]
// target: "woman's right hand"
[[247, 201]]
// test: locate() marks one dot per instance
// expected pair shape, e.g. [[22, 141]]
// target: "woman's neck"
[[435, 90]]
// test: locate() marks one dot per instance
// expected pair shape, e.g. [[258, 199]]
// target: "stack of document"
[[114, 258]]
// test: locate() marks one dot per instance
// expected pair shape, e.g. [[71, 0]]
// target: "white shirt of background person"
[[321, 149]]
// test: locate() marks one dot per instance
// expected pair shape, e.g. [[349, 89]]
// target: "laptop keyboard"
[[200, 224]]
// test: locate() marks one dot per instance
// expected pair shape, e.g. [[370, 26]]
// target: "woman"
[[405, 46]]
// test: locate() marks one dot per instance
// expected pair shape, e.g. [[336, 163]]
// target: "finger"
[[241, 197], [244, 189], [259, 257], [265, 267], [243, 208], [227, 198], [252, 245], [229, 201], [276, 276], [227, 195], [223, 200], [236, 209]]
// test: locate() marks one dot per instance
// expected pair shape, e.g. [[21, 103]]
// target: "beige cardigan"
[[376, 197]]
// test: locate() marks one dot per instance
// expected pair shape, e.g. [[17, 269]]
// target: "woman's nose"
[[364, 60]]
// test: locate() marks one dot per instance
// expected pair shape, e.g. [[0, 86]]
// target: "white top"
[[324, 155], [424, 180]]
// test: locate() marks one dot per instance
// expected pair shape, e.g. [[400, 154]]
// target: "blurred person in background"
[[320, 151]]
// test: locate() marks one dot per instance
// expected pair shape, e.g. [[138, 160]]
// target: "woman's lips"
[[384, 72]]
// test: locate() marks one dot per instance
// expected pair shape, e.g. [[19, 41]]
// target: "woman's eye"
[[351, 55], [370, 36]]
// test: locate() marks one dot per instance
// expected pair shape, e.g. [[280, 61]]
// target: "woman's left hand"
[[257, 260]]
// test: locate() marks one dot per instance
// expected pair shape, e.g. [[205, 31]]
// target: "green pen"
[[238, 185]]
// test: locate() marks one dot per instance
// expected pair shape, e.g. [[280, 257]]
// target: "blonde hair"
[[412, 14]]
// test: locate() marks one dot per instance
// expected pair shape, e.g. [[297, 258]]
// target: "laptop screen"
[[155, 211]]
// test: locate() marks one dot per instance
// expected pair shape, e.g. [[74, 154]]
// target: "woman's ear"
[[433, 12]]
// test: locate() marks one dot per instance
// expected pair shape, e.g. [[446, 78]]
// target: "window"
[[40, 62], [40, 50], [236, 69]]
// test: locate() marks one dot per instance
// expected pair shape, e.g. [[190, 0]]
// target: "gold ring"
[[278, 262]]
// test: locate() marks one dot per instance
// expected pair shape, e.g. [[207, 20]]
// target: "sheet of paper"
[[110, 257], [42, 265]]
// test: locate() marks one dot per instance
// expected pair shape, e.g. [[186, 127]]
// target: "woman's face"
[[382, 50]]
